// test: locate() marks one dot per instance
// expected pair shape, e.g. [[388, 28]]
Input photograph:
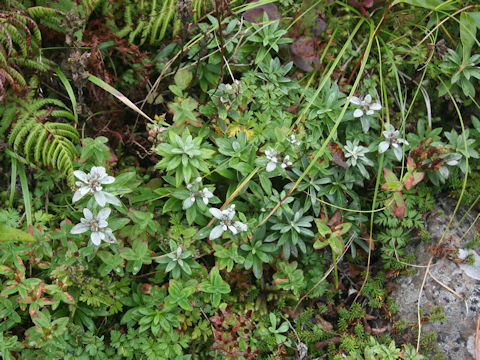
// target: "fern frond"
[[40, 11], [32, 138], [16, 37], [63, 113], [5, 37], [41, 64], [135, 32], [16, 77], [38, 146], [162, 15], [7, 118], [44, 142], [171, 12]]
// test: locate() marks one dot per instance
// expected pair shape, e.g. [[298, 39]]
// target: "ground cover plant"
[[221, 179]]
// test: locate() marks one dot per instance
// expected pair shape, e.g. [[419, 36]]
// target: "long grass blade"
[[26, 193], [118, 95], [70, 92]]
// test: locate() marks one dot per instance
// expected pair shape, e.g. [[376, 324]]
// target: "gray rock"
[[456, 334]]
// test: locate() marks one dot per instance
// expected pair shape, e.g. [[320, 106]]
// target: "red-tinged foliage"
[[232, 332]]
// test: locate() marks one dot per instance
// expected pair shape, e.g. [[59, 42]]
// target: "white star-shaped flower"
[[91, 183], [226, 222], [286, 162], [366, 106], [97, 224], [393, 141], [272, 156]]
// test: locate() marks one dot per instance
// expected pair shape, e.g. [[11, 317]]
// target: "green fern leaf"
[[44, 142]]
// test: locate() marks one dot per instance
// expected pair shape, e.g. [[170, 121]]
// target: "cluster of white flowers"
[[273, 160], [394, 141], [366, 106], [272, 156], [226, 222], [286, 162], [97, 224], [293, 140], [204, 194], [92, 184]]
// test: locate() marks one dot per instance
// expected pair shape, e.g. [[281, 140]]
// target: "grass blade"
[[118, 95], [26, 193], [70, 92]]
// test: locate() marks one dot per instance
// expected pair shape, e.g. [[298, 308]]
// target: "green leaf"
[[179, 293], [427, 4], [215, 285], [183, 78], [8, 233], [468, 31]]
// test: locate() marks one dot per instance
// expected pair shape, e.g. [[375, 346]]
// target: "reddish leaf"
[[319, 26], [305, 46], [396, 205], [414, 179], [305, 53], [255, 15], [335, 219], [392, 183], [338, 155], [359, 4], [292, 109], [411, 164]]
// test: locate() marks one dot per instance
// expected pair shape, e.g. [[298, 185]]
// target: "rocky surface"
[[455, 335]]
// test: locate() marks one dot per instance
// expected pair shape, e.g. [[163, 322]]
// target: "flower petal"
[[95, 237], [357, 113], [271, 166], [398, 152], [355, 100], [88, 214], [240, 226], [107, 180], [370, 112], [104, 214], [109, 237], [216, 232], [100, 198], [216, 212], [102, 224], [99, 171], [78, 195], [80, 175], [368, 99], [233, 229], [376, 106], [188, 202], [383, 146], [79, 229]]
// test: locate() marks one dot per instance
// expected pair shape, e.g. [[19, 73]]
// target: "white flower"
[[366, 106], [205, 194], [189, 201], [393, 140], [92, 184], [97, 225], [286, 162], [272, 156], [293, 140], [226, 222]]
